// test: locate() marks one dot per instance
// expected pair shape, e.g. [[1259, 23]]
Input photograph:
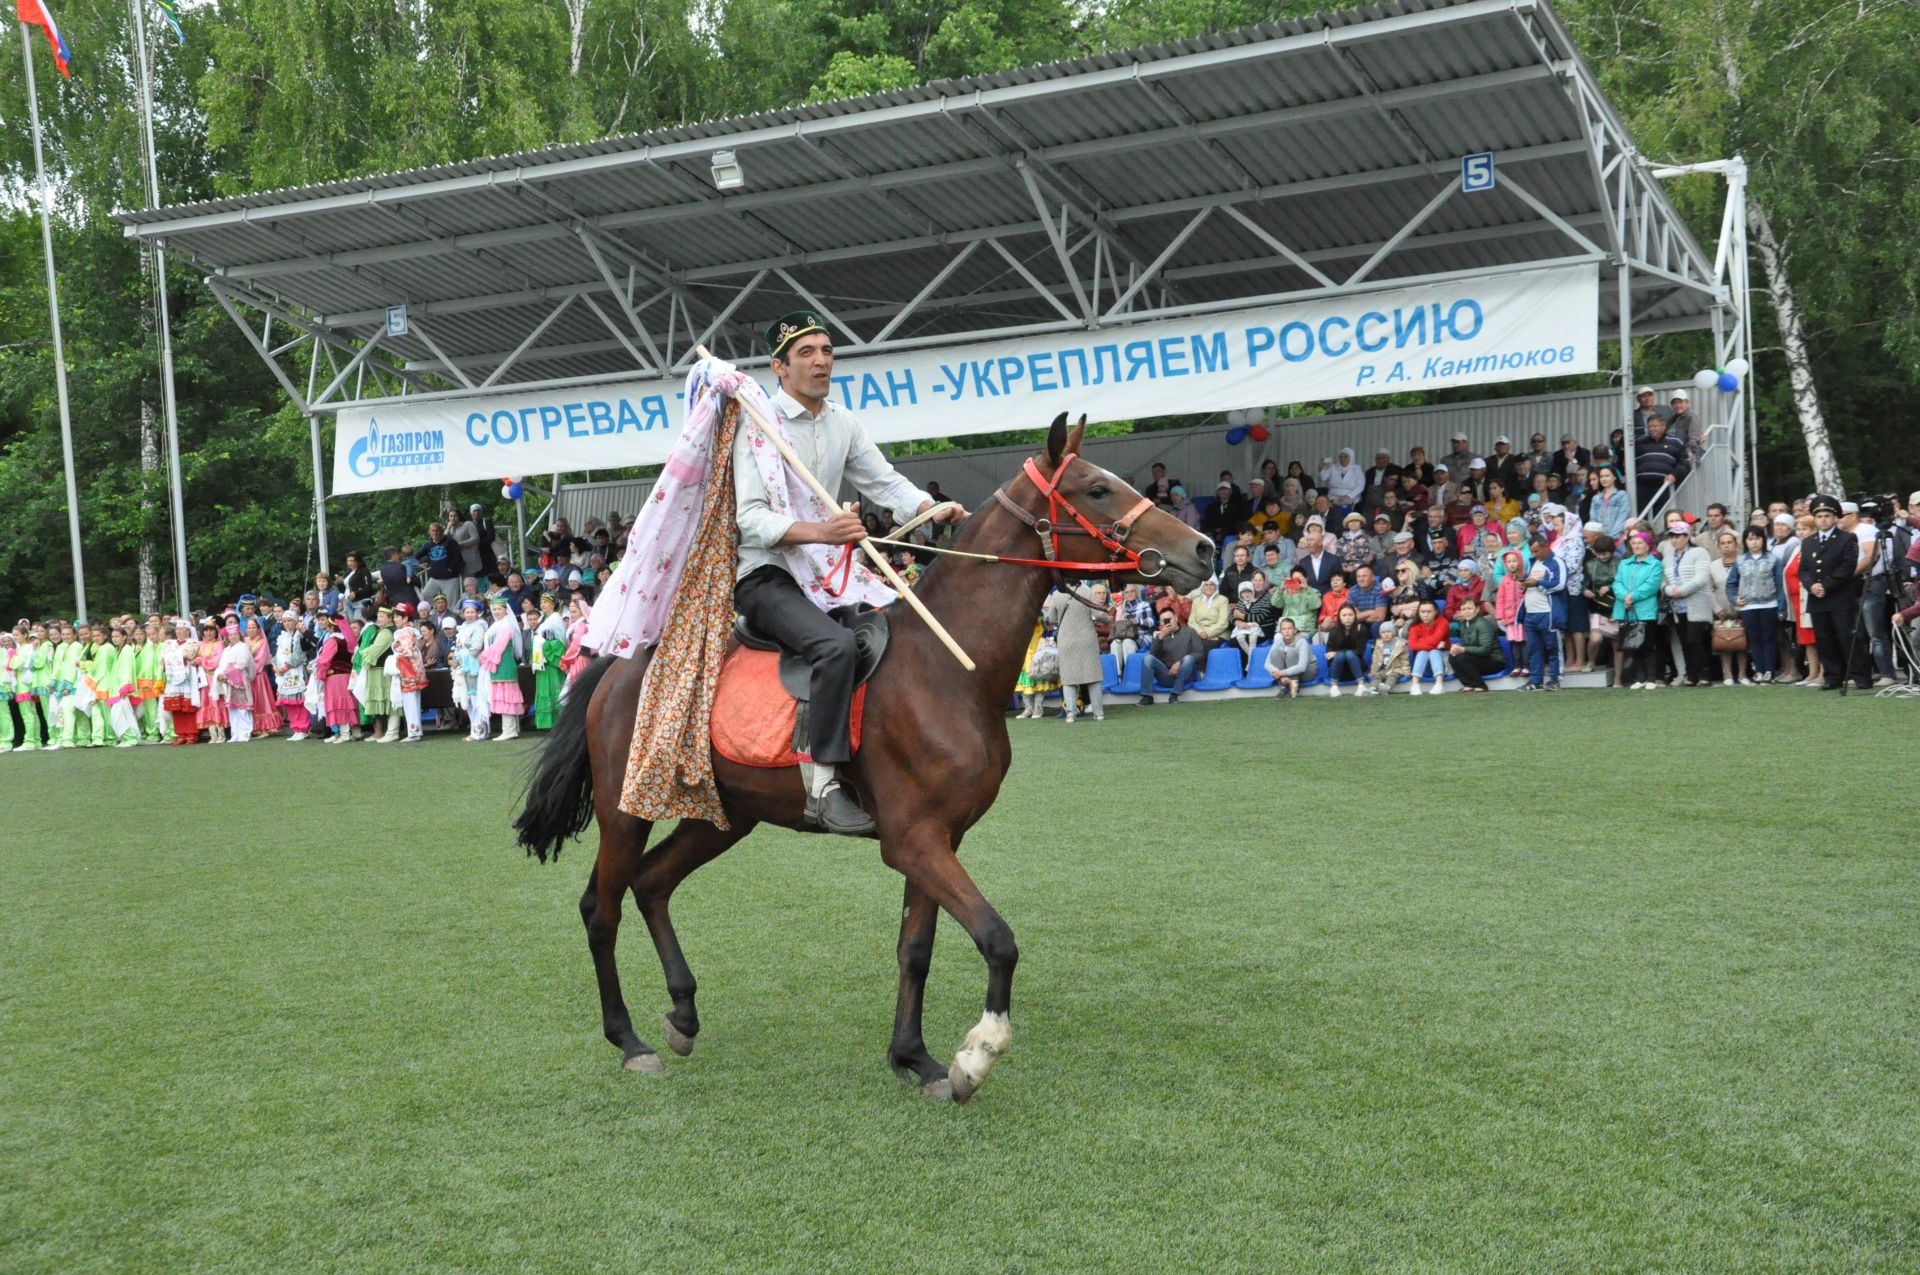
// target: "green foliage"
[[1822, 98]]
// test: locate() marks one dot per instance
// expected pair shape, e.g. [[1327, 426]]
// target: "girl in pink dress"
[[266, 710], [213, 709], [501, 659], [335, 663], [576, 659]]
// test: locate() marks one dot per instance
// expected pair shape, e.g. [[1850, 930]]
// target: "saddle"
[[870, 633], [760, 712]]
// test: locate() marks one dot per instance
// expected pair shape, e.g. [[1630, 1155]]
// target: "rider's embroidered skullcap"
[[788, 328]]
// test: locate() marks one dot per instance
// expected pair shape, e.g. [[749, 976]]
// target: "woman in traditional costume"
[[213, 709], [233, 684], [180, 691], [335, 663], [469, 679], [576, 657], [30, 689], [501, 660], [376, 645], [150, 681], [118, 674], [10, 672], [290, 675], [411, 672], [266, 712], [549, 645]]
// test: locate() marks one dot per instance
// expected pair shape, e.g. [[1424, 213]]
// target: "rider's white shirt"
[[836, 448]]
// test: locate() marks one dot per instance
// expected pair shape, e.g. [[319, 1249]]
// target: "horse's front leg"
[[926, 858], [908, 1053]]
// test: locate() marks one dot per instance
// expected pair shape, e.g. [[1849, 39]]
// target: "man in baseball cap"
[[1644, 410]]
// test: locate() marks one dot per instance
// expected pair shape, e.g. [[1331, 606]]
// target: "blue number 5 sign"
[[1476, 172]]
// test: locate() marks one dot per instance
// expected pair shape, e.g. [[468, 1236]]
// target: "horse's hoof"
[[648, 1062], [985, 1045], [940, 1090], [678, 1041]]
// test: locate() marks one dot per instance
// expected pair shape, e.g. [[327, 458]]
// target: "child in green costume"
[[150, 681], [9, 660], [113, 670], [376, 643], [30, 686], [548, 645]]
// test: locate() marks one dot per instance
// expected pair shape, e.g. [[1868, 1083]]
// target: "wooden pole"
[[878, 559]]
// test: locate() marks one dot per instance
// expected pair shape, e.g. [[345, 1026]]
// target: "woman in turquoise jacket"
[[1636, 596]]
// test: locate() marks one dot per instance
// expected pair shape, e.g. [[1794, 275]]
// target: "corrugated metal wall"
[[1197, 456]]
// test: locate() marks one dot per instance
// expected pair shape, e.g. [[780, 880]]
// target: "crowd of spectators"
[[441, 633], [1523, 560]]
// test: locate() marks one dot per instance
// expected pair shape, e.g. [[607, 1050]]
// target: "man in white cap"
[[1644, 410], [1500, 464], [1462, 454], [1683, 424]]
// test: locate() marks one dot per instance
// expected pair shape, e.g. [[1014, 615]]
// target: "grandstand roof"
[[1294, 159]]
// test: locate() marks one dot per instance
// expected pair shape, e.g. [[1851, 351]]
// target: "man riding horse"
[[829, 440]]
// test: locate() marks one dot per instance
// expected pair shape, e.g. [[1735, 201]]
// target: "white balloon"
[[1236, 417], [1738, 366], [1706, 378]]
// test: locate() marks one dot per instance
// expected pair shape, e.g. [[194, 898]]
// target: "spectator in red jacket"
[[1427, 639]]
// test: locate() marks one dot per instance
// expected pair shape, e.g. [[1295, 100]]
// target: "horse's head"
[[1170, 552]]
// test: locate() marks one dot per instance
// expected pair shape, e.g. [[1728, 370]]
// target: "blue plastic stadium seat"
[[1129, 682], [1222, 671], [1320, 676], [1109, 671], [1257, 678]]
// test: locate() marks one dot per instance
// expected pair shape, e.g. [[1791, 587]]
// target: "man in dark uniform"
[[1827, 562]]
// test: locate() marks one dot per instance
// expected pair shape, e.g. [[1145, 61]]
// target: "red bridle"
[[1112, 536]]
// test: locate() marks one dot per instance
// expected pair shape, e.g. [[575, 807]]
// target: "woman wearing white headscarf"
[[1343, 481]]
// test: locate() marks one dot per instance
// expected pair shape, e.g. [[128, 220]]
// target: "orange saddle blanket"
[[754, 717]]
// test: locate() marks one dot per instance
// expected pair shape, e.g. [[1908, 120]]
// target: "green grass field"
[[1574, 982]]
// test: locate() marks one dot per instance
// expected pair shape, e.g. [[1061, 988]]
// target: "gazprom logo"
[[402, 449]]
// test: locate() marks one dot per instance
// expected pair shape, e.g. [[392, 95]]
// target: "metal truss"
[[1086, 257]]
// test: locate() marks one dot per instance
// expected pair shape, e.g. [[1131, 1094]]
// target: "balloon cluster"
[[510, 489], [1725, 379], [1247, 424]]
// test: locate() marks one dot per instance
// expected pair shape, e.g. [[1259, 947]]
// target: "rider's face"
[[806, 370]]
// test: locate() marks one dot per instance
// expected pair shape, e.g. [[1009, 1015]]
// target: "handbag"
[[1729, 636], [1633, 634]]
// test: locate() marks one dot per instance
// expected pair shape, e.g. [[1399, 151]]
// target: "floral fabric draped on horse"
[[674, 591]]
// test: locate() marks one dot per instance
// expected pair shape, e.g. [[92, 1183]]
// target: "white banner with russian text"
[[1503, 328]]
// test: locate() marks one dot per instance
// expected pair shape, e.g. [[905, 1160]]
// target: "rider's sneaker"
[[837, 812]]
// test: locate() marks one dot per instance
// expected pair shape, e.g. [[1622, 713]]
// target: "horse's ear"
[[1074, 435], [1057, 440]]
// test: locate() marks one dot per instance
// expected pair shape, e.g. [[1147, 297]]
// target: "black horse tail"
[[560, 788]]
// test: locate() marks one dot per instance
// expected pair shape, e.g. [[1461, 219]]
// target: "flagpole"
[[166, 321], [59, 352]]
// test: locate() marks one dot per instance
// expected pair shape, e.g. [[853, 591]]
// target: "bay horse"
[[932, 756]]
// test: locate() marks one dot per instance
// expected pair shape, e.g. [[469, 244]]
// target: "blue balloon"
[[1236, 435], [1729, 382], [514, 491]]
